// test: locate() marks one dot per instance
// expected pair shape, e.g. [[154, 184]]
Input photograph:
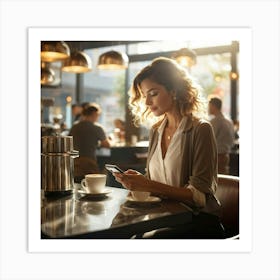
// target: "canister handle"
[[73, 153]]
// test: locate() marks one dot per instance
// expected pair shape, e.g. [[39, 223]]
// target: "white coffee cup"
[[94, 183], [140, 196]]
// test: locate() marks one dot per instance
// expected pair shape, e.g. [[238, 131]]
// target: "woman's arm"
[[204, 161]]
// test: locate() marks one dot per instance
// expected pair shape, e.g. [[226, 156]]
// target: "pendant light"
[[112, 60], [47, 74], [185, 57], [54, 51], [78, 62]]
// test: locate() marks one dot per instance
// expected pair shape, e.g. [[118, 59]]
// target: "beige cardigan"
[[199, 157]]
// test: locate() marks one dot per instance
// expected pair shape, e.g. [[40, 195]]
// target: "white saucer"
[[104, 192], [150, 199]]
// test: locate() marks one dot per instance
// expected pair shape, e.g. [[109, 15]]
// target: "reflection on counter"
[[72, 215], [112, 216]]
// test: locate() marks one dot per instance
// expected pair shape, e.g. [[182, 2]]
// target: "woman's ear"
[[173, 94]]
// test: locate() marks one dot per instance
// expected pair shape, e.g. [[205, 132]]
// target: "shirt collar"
[[184, 124], [162, 126]]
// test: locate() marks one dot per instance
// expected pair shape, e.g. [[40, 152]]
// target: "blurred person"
[[76, 112], [119, 131], [88, 134], [84, 106], [224, 133], [182, 156]]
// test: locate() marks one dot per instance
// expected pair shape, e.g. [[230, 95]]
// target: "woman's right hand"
[[120, 178], [132, 180]]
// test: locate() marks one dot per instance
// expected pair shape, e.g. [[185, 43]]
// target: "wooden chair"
[[228, 194], [83, 166]]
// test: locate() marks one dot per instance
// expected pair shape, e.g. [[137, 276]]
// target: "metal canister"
[[57, 163]]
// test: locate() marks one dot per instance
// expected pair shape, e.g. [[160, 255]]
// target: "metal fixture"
[[78, 62], [113, 60], [47, 74], [185, 57], [54, 51]]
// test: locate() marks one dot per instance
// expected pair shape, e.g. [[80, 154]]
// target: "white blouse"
[[168, 170]]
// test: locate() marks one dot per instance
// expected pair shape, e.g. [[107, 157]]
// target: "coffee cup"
[[94, 183], [140, 196]]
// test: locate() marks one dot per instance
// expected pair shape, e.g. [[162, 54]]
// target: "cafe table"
[[110, 215]]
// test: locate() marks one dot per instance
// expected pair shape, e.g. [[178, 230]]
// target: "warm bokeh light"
[[185, 61], [233, 76], [76, 69], [68, 99], [218, 78]]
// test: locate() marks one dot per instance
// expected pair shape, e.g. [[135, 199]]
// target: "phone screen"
[[113, 168]]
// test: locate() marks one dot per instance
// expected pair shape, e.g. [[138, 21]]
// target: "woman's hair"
[[168, 73]]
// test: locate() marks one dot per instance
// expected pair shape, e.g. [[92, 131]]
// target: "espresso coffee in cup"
[[94, 183], [140, 196]]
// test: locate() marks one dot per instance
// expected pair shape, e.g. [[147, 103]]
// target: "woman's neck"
[[173, 120]]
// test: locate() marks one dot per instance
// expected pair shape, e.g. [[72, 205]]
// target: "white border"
[[262, 16], [243, 35]]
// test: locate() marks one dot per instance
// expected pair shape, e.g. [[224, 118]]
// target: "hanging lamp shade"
[[112, 60], [54, 51], [78, 62], [185, 57], [47, 76]]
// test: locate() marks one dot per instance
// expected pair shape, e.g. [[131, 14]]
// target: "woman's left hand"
[[133, 180]]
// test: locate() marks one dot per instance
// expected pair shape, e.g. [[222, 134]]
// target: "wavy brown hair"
[[168, 73]]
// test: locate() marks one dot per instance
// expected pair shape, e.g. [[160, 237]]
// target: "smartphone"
[[113, 168]]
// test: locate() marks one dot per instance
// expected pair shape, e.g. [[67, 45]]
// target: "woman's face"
[[158, 99]]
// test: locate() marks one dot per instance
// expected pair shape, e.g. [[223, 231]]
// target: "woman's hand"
[[133, 180]]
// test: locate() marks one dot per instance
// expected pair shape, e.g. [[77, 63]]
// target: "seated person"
[[182, 157]]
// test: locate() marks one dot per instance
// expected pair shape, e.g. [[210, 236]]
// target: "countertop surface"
[[110, 215]]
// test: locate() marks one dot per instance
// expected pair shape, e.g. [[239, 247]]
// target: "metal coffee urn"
[[57, 164]]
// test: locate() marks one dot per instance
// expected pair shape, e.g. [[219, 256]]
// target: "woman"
[[182, 157]]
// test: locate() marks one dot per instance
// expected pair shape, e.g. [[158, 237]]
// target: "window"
[[212, 72], [107, 88]]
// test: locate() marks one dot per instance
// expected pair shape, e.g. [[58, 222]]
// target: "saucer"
[[150, 199], [104, 192]]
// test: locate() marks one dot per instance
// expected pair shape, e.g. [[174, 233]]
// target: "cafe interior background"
[[214, 64]]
